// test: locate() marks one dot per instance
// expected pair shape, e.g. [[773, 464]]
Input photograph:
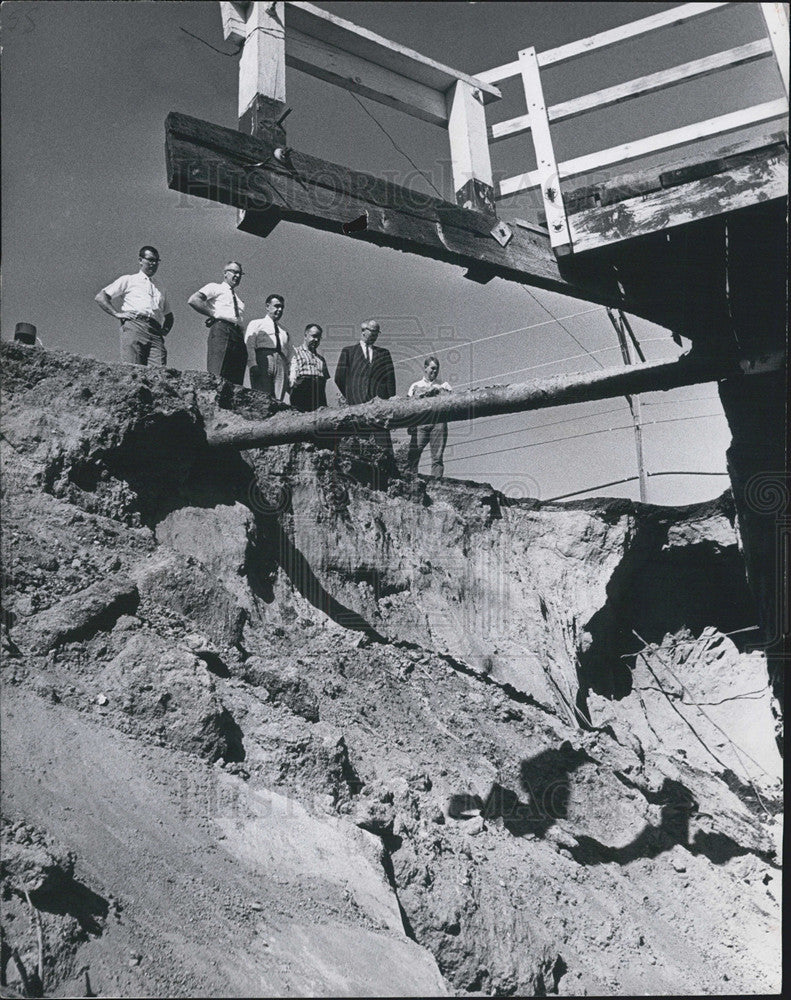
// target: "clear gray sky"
[[87, 87]]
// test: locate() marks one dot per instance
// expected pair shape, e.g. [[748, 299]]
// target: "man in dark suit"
[[366, 372]]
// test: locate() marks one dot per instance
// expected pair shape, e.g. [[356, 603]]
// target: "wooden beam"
[[217, 163], [351, 72], [776, 19], [547, 167], [681, 169], [319, 24], [469, 149], [693, 70], [652, 144], [759, 178], [262, 67], [559, 390]]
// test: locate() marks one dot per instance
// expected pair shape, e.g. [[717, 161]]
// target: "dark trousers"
[[226, 354], [142, 343], [437, 436], [308, 393], [269, 375]]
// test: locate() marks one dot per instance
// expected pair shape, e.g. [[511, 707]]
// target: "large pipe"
[[558, 390]]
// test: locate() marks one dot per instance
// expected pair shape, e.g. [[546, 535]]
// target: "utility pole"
[[621, 325]]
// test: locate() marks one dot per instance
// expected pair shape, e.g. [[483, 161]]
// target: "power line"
[[551, 423], [630, 479], [571, 437], [562, 327], [557, 361], [577, 417], [585, 416], [494, 336]]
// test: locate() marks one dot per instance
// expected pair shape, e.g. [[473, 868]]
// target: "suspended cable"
[[684, 690], [577, 417], [583, 416], [536, 427], [630, 479], [557, 361], [560, 324], [571, 437], [494, 336]]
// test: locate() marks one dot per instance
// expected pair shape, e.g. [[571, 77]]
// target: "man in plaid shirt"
[[309, 373]]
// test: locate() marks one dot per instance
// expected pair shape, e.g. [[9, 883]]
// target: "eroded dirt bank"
[[290, 723]]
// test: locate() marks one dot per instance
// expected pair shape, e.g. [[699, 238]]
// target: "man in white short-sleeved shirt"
[[435, 433], [143, 309], [226, 354], [269, 349]]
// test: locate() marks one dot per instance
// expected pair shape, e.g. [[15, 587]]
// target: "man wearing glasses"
[[143, 310], [226, 354], [366, 372]]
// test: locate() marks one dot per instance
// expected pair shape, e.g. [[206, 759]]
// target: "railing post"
[[776, 18], [469, 148], [546, 164], [260, 29], [262, 67]]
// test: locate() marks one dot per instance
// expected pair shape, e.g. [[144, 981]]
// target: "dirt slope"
[[292, 723]]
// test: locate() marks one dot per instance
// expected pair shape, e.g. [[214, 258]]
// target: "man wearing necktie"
[[269, 350], [225, 351], [144, 312], [366, 372]]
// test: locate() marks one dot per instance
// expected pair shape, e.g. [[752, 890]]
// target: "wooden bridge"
[[698, 245], [622, 242]]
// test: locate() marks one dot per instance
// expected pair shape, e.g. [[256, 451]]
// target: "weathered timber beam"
[[559, 390], [221, 164], [763, 177]]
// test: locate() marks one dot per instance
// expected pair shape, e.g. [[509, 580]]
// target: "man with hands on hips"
[[144, 311]]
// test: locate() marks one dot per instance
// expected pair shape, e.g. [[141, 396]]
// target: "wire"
[[562, 327], [494, 336], [684, 690], [557, 361], [576, 417], [571, 437], [629, 479], [197, 38], [551, 423], [586, 416], [403, 152], [692, 642]]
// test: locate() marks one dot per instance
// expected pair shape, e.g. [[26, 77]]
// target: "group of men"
[[364, 371]]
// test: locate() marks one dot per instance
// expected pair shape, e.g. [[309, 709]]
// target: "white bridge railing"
[[273, 35], [549, 173]]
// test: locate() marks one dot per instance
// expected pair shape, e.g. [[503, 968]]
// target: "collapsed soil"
[[298, 723]]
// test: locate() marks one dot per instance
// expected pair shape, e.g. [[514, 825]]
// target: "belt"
[[142, 318], [228, 322]]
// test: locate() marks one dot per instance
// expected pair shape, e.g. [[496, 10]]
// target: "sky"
[[86, 88]]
